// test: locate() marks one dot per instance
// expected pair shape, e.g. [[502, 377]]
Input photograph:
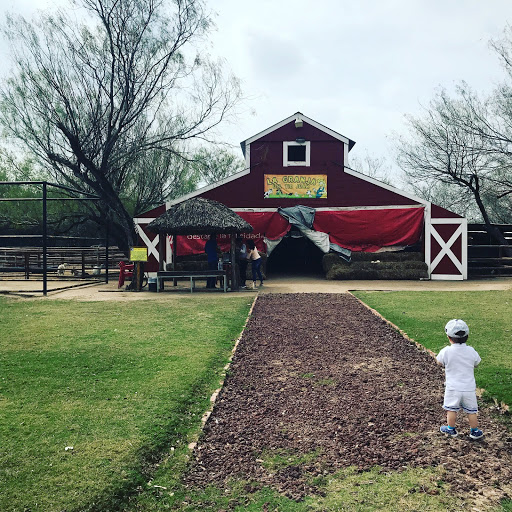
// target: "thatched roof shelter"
[[199, 216]]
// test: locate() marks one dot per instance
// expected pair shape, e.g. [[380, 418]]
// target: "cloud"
[[274, 59]]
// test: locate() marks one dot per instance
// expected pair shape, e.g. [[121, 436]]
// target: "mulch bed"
[[321, 374]]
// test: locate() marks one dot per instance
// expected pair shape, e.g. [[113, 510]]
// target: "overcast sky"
[[356, 67]]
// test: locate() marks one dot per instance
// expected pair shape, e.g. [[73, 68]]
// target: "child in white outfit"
[[459, 361]]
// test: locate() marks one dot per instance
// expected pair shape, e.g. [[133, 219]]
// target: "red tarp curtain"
[[265, 225], [370, 230], [357, 230]]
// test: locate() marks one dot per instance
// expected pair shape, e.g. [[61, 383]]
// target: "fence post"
[[106, 252], [27, 265], [45, 245]]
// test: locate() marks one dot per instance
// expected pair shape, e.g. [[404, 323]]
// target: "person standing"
[[254, 256], [459, 361], [211, 250], [241, 256]]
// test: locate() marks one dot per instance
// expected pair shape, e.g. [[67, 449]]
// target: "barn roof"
[[301, 116], [199, 216]]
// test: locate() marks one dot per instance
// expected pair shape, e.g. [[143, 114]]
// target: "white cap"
[[457, 328]]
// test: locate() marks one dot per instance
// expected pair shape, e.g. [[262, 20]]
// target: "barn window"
[[296, 153]]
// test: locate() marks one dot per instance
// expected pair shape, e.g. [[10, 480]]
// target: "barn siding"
[[327, 157]]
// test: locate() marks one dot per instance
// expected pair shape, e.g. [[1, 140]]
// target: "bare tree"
[[102, 96], [372, 166], [444, 147]]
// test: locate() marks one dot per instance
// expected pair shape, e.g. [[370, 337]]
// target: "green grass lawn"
[[423, 315], [125, 385], [120, 383]]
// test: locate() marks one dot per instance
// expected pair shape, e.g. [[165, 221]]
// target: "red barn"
[[301, 196]]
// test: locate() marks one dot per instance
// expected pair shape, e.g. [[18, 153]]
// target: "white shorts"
[[457, 400]]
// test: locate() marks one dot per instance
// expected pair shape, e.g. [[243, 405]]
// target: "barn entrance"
[[295, 255]]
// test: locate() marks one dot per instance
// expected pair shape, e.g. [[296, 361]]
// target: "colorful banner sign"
[[295, 186]]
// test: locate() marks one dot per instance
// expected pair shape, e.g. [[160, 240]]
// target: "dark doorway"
[[295, 255]]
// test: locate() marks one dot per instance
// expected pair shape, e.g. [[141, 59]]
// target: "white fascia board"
[[450, 220], [323, 128], [271, 129], [381, 207], [298, 115], [200, 191], [428, 238], [336, 208], [248, 156], [363, 177]]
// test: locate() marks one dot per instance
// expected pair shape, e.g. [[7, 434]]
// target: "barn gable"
[[266, 156]]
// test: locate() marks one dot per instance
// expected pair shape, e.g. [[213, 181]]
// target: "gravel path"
[[320, 374]]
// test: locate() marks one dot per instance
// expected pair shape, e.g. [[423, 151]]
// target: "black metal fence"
[[486, 256]]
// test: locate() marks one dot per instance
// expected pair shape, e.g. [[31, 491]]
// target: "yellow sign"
[[295, 186], [139, 254]]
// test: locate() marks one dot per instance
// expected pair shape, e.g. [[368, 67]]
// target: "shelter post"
[[161, 252], [174, 255], [234, 275]]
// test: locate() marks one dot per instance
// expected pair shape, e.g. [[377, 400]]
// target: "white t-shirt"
[[459, 361]]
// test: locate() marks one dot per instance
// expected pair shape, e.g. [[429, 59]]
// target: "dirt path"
[[319, 374], [276, 284]]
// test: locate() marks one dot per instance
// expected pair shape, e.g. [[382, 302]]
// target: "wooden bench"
[[171, 275]]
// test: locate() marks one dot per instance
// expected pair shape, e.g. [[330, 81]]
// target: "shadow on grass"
[[184, 421]]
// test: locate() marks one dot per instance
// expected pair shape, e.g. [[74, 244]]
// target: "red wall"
[[442, 213], [327, 157]]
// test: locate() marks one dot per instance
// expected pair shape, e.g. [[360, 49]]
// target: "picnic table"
[[172, 275]]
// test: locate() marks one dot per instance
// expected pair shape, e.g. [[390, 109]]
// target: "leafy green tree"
[[18, 216], [213, 165], [101, 94]]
